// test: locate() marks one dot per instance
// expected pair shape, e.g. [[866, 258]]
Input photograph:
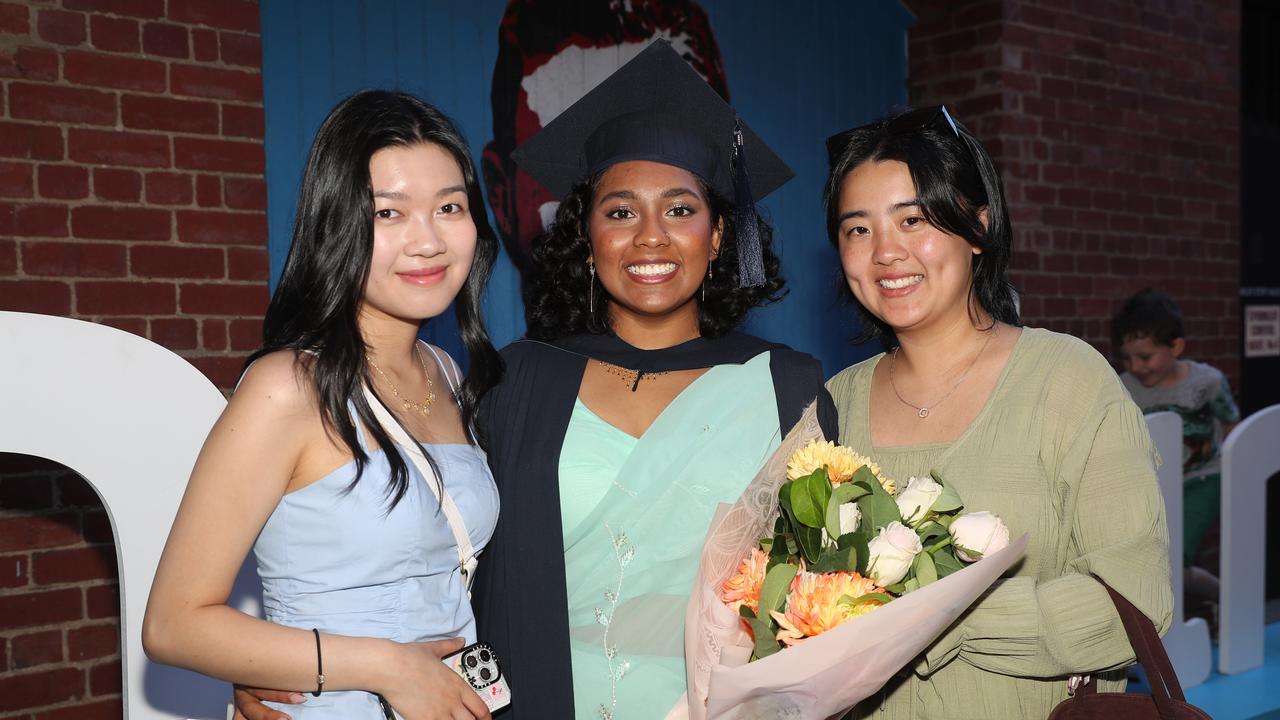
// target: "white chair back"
[[1187, 641], [130, 417], [1250, 455]]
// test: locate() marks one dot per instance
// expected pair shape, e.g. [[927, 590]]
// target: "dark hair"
[[556, 297], [954, 179], [315, 307], [1148, 314]]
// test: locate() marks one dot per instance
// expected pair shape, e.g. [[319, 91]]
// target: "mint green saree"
[[635, 512]]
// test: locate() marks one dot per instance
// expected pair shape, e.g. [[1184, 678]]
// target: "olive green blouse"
[[1062, 453]]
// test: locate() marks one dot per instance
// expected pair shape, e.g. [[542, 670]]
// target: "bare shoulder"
[[277, 384]]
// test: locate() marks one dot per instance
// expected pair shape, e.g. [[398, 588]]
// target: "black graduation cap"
[[657, 107]]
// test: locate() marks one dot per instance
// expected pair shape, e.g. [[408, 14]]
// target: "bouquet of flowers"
[[847, 541], [840, 541]]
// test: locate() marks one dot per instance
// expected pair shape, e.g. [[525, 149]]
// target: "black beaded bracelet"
[[319, 666]]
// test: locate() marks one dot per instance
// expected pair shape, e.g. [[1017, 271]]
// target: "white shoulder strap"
[[444, 369], [466, 552]]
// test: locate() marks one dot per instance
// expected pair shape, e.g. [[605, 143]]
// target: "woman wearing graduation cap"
[[632, 408]]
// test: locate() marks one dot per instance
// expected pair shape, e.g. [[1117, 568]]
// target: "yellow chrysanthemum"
[[813, 605], [841, 463], [744, 588]]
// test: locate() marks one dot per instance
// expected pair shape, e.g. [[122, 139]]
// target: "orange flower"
[[744, 588], [813, 606]]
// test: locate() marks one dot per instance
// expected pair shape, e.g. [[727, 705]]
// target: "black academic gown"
[[519, 596]]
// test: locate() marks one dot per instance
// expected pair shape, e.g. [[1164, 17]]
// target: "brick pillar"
[[131, 194], [1116, 127]]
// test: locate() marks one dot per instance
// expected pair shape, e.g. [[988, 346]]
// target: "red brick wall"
[[1116, 126], [131, 188], [131, 194], [59, 601]]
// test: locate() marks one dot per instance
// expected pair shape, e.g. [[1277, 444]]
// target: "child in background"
[[1150, 337]]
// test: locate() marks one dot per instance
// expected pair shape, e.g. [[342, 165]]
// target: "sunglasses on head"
[[908, 122]]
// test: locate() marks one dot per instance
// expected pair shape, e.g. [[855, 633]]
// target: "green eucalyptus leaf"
[[925, 571], [777, 583], [853, 602], [948, 501], [910, 585], [788, 521], [863, 476], [878, 509], [810, 541], [841, 494], [836, 559], [778, 550], [784, 495], [848, 492], [946, 562], [930, 532], [850, 559], [833, 518], [858, 541], [809, 496], [765, 632]]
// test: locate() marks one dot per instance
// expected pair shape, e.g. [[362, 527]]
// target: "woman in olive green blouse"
[[1026, 423]]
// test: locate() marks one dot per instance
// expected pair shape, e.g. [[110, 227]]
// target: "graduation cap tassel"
[[747, 221]]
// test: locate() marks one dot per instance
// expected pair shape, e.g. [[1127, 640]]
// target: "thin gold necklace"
[[406, 404], [630, 377], [923, 410]]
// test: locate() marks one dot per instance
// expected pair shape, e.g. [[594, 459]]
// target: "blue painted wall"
[[797, 72]]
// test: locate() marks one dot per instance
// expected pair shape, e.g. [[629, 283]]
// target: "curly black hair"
[[556, 294]]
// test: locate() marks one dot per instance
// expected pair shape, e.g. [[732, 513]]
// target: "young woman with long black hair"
[[361, 573]]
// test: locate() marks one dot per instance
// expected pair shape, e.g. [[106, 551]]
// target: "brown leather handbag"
[[1166, 700]]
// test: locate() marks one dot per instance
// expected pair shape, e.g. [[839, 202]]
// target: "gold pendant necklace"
[[630, 377], [923, 410], [406, 404]]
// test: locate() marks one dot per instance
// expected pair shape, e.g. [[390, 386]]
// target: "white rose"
[[891, 552], [979, 532], [915, 501], [850, 518]]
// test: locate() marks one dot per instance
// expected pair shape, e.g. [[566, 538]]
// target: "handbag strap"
[[466, 552], [1165, 688]]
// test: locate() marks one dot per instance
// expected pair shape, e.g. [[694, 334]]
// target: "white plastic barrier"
[[128, 416], [1187, 641], [1250, 455]]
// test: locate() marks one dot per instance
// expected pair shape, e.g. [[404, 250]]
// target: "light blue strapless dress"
[[340, 562]]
